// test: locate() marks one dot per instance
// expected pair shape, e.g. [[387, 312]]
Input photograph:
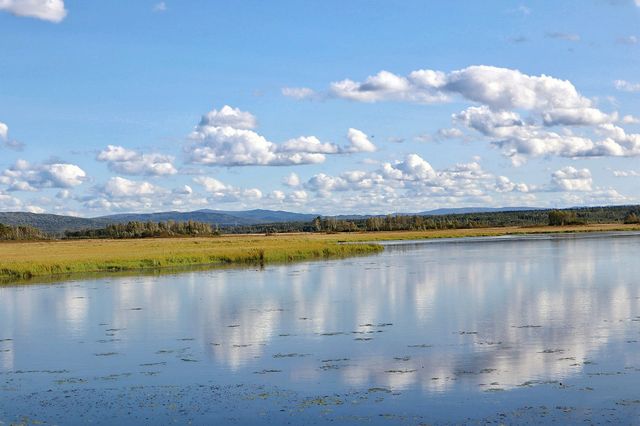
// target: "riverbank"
[[23, 260]]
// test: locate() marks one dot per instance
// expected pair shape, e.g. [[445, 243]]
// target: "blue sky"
[[328, 107]]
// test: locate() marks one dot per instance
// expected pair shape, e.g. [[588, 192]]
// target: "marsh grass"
[[31, 259]]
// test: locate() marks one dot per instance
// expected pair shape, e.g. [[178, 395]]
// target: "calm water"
[[529, 330]]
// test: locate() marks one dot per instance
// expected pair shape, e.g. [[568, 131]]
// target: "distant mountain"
[[215, 217], [466, 210], [267, 216]]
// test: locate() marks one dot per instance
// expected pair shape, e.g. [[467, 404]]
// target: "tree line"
[[137, 229], [21, 233]]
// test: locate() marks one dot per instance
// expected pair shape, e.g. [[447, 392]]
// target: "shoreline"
[[25, 261]]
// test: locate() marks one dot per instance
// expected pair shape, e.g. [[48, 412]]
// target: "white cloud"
[[118, 187], [4, 131], [299, 93], [26, 177], [310, 144], [626, 173], [226, 138], [572, 179], [498, 88], [48, 10], [420, 86], [222, 192], [129, 162], [228, 117], [626, 86], [520, 140], [359, 142], [9, 203], [292, 180]]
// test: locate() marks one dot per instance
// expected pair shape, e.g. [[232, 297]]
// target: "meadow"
[[23, 260]]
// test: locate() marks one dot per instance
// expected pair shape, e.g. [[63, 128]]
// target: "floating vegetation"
[[402, 358], [374, 390], [551, 351], [153, 364], [291, 355], [400, 371], [335, 360], [267, 371]]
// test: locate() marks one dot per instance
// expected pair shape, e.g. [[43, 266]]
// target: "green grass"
[[45, 258]]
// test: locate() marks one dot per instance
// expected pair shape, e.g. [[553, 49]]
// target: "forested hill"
[[57, 225], [282, 221], [50, 223]]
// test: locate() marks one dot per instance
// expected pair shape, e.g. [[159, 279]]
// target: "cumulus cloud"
[[524, 115], [359, 142], [228, 117], [572, 179], [310, 144], [519, 139], [129, 162], [4, 131], [226, 138], [222, 192], [118, 187], [498, 88], [292, 180], [413, 178], [48, 10], [24, 176]]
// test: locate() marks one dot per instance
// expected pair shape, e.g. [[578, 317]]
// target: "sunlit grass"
[[29, 259]]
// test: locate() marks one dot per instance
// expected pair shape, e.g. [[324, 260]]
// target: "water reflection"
[[435, 318]]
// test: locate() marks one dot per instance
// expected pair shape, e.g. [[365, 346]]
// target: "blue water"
[[528, 330]]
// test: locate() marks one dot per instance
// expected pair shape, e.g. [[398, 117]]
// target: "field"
[[23, 260]]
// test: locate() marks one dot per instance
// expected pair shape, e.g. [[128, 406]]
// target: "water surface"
[[542, 329]]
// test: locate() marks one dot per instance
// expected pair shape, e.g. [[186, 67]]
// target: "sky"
[[331, 107]]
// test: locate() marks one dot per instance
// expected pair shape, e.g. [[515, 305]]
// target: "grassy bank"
[[20, 260]]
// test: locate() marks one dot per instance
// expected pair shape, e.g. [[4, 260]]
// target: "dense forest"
[[522, 218]]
